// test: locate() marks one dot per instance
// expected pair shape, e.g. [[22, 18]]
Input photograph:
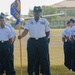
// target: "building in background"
[[66, 6]]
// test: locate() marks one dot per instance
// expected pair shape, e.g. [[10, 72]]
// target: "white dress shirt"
[[5, 34], [11, 28], [63, 35], [72, 33], [71, 30], [66, 33], [37, 29]]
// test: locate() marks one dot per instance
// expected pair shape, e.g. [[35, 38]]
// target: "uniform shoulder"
[[7, 28], [44, 19], [7, 24]]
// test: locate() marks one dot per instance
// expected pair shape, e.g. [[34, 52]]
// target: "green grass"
[[60, 70], [55, 70]]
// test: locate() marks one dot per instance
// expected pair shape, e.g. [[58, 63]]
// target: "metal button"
[[36, 38]]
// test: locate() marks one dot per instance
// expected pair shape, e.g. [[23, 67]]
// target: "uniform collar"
[[38, 20]]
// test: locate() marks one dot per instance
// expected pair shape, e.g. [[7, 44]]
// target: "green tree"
[[47, 10]]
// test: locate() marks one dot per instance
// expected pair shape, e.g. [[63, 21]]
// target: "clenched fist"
[[19, 37]]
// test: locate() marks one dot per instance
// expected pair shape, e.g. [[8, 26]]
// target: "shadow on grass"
[[55, 70]]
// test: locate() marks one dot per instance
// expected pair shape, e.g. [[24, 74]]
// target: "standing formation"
[[68, 38], [37, 45]]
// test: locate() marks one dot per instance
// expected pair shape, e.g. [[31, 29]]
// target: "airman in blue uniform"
[[72, 37], [37, 44], [65, 39], [5, 41], [11, 47]]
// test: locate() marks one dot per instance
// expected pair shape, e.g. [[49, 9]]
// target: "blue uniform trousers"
[[67, 54], [37, 68], [38, 48], [5, 58], [73, 57], [70, 48], [11, 47]]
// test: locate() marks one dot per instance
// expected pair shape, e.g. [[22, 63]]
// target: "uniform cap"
[[72, 20], [1, 17], [2, 14], [37, 9]]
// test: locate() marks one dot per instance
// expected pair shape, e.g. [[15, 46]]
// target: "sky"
[[25, 5]]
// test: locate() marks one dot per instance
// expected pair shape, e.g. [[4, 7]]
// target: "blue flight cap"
[[1, 17], [72, 20], [37, 9], [2, 14]]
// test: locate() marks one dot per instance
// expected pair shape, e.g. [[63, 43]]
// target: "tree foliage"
[[47, 10]]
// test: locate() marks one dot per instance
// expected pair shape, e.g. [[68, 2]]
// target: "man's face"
[[71, 24], [2, 22], [36, 14]]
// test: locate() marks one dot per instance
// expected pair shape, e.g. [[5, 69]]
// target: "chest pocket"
[[42, 26], [31, 28], [6, 33]]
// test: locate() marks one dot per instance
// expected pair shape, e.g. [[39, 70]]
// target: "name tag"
[[43, 23]]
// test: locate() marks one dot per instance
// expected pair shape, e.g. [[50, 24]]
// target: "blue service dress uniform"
[[37, 45], [11, 47], [67, 48], [72, 34], [5, 35]]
